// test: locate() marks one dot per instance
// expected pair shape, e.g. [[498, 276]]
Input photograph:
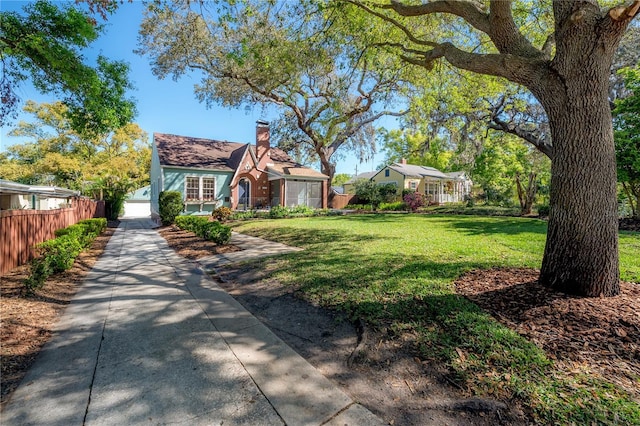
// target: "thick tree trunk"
[[581, 253], [326, 166]]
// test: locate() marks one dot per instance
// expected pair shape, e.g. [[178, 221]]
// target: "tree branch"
[[504, 33], [623, 13], [393, 22], [541, 144], [466, 10]]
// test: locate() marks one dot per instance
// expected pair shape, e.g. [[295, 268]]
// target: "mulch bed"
[[597, 336], [190, 246], [28, 321]]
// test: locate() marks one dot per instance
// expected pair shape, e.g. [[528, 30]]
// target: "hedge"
[[204, 228], [58, 254]]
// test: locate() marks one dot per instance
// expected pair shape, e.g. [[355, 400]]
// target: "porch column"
[[325, 194]]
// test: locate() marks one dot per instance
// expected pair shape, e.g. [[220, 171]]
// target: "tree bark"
[[581, 252], [527, 195], [326, 166]]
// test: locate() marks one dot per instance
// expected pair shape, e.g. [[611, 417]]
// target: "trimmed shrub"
[[243, 215], [170, 206], [97, 225], [203, 228], [278, 212], [221, 213], [58, 254]]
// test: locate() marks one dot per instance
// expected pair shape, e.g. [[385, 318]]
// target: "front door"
[[244, 195]]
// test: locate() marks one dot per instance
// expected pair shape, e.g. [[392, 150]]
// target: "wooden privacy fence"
[[339, 201], [21, 230]]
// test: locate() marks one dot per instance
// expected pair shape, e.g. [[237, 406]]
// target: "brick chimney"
[[263, 145], [403, 161]]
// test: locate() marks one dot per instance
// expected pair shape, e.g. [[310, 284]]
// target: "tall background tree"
[[627, 137], [329, 90], [44, 45], [562, 52], [106, 166]]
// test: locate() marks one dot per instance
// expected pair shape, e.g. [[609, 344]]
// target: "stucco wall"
[[174, 180], [394, 177]]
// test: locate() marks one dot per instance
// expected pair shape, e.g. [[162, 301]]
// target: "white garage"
[[138, 203]]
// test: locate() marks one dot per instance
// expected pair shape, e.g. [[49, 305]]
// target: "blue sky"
[[166, 106]]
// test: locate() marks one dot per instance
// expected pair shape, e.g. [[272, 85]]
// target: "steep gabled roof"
[[199, 153], [185, 151]]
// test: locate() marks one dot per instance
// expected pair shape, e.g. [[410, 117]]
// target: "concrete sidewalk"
[[252, 248], [150, 339]]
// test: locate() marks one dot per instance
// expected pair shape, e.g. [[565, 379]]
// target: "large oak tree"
[[281, 54], [566, 66]]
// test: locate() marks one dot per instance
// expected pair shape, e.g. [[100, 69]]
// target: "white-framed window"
[[208, 188], [192, 191], [199, 188], [413, 184]]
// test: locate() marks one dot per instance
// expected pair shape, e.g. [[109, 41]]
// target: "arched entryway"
[[244, 194]]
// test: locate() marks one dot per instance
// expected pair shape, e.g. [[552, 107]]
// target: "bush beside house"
[[170, 206]]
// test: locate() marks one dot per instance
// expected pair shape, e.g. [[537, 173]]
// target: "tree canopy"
[[44, 44], [562, 53], [286, 54], [56, 154]]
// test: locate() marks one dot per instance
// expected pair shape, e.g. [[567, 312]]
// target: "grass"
[[396, 272]]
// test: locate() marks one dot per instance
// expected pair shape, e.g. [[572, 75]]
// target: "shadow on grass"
[[298, 237], [505, 226]]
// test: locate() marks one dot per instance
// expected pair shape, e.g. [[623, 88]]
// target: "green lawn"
[[397, 271]]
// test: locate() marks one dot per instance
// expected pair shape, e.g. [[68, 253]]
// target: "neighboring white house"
[[17, 196]]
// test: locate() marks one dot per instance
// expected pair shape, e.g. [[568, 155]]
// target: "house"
[[212, 173], [138, 203], [18, 196], [348, 186], [438, 187]]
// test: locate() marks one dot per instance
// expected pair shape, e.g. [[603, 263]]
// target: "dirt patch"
[[600, 336], [188, 245], [28, 321], [379, 372]]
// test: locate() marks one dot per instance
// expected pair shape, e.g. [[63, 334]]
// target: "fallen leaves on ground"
[[598, 336], [190, 246], [28, 321]]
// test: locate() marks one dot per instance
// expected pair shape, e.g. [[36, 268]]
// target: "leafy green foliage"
[[370, 267], [505, 161], [340, 178], [204, 228], [58, 254], [370, 192], [44, 45], [56, 154], [627, 138], [396, 206], [328, 88], [170, 206]]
